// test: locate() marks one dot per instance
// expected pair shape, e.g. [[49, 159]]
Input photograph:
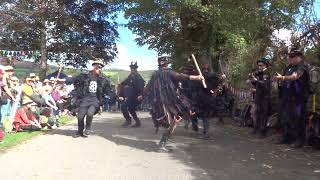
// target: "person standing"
[[262, 83], [294, 94], [130, 93], [90, 90]]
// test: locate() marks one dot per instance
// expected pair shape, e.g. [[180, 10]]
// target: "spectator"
[[6, 79], [1, 97], [16, 91], [47, 88], [7, 97], [70, 86], [32, 76], [25, 119], [60, 95], [29, 93], [106, 103], [27, 90], [38, 85]]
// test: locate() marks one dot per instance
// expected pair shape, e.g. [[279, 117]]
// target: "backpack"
[[313, 130], [245, 118], [314, 77]]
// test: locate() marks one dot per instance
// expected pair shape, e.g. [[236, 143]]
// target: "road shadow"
[[230, 155]]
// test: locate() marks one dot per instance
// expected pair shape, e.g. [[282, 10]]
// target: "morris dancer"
[[168, 105]]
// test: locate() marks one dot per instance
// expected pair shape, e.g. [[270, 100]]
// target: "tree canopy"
[[72, 31], [239, 32], [236, 32]]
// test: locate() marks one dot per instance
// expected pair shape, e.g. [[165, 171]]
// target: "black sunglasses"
[[99, 67]]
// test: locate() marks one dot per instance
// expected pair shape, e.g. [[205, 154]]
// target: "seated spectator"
[[60, 96], [46, 93], [52, 81], [25, 119], [38, 84], [27, 90], [29, 94], [47, 88], [47, 120]]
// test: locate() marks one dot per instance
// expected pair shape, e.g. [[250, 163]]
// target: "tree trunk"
[[44, 55]]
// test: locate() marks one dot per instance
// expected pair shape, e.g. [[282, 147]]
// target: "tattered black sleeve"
[[140, 85], [178, 77]]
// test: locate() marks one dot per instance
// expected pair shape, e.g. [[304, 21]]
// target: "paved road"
[[131, 154]]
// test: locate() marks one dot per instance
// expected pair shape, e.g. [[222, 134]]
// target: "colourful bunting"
[[30, 54], [20, 55]]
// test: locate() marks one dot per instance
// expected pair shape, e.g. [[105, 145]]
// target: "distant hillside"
[[24, 68], [118, 76]]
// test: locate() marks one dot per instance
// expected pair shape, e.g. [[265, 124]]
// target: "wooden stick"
[[314, 103], [55, 81], [199, 71]]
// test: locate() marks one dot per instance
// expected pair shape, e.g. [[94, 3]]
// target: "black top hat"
[[264, 61], [134, 65], [205, 67], [163, 60], [295, 51]]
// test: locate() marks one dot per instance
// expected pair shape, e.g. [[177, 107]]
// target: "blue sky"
[[130, 51]]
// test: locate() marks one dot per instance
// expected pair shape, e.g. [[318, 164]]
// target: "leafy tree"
[[67, 31], [206, 27]]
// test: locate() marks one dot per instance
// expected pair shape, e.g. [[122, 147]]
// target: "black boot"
[[163, 147], [126, 124], [206, 136], [195, 127], [263, 134], [220, 121], [137, 124], [282, 140], [79, 134], [254, 131], [87, 132], [297, 144]]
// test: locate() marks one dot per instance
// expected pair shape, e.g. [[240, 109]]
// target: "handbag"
[[4, 98]]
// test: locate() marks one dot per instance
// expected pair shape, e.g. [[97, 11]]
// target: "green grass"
[[14, 139], [65, 119], [17, 138]]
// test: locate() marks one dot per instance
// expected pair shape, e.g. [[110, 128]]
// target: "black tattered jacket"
[[82, 82]]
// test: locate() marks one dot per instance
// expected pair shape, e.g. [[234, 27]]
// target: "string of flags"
[[20, 54]]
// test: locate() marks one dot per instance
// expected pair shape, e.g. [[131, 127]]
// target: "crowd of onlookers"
[[31, 104]]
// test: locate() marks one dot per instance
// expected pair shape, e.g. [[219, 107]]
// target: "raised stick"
[[199, 71]]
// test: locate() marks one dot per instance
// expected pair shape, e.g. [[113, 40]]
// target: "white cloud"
[[124, 59], [284, 35]]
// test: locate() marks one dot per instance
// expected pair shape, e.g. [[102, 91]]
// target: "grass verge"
[[14, 139]]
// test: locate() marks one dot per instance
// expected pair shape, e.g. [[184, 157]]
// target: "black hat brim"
[[133, 67], [97, 64], [264, 62], [294, 54]]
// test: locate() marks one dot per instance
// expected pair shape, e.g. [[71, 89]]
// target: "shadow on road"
[[230, 155]]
